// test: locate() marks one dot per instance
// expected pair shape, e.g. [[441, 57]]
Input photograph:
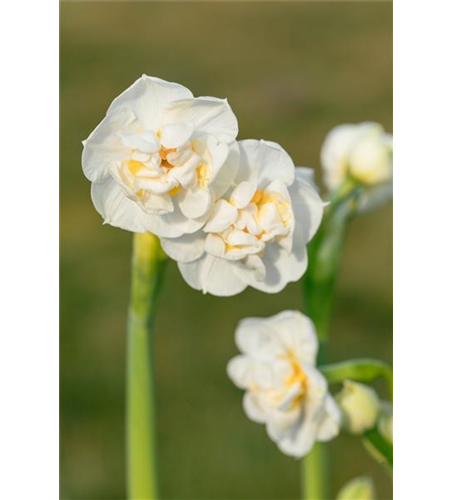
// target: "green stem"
[[360, 370], [314, 467], [147, 268]]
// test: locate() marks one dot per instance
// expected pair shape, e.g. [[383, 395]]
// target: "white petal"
[[146, 142], [370, 158], [290, 397], [242, 194], [225, 169], [175, 134], [307, 207], [215, 245], [330, 424], [375, 197], [306, 174], [281, 268], [299, 443], [337, 144], [253, 409], [186, 248], [240, 370], [104, 145], [251, 265], [157, 204], [116, 208], [268, 159], [253, 334], [208, 115], [241, 238], [186, 173], [172, 225], [194, 202], [212, 275], [317, 388], [336, 148], [223, 214], [280, 424], [147, 97], [297, 333]]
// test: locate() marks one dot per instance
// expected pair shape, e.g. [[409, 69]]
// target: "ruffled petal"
[[116, 208], [175, 134], [253, 335], [240, 371], [281, 268], [269, 159], [297, 331], [195, 202], [173, 225], [212, 275], [225, 170], [307, 207], [104, 145], [209, 116], [242, 194], [253, 409], [186, 248], [223, 214], [329, 426], [147, 97]]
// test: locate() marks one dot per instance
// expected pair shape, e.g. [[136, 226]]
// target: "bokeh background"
[[291, 71]]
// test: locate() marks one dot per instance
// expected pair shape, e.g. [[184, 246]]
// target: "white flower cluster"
[[284, 389], [232, 214]]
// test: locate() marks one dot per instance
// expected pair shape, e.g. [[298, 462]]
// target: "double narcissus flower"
[[284, 390], [231, 214], [158, 160], [256, 234], [362, 152]]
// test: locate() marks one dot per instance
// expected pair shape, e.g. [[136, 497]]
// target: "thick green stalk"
[[147, 267]]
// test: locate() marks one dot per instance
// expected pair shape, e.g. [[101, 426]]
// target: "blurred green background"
[[291, 71]]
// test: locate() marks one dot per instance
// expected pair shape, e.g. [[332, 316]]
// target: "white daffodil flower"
[[256, 235], [157, 160], [284, 390], [362, 151]]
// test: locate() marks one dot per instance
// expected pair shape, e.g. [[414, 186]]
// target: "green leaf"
[[378, 446]]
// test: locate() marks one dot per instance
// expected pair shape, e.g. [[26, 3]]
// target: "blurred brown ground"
[[291, 71]]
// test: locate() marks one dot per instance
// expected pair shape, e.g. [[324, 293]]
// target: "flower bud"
[[360, 488], [360, 407]]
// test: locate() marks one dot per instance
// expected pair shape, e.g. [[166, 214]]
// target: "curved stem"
[[361, 370], [147, 269]]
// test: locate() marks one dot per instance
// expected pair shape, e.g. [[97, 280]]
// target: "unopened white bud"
[[360, 407], [360, 488]]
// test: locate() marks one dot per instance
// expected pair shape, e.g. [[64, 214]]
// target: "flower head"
[[360, 407], [362, 152], [256, 234], [157, 159], [284, 390]]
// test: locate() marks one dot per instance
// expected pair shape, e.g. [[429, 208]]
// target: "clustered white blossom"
[[284, 389], [232, 214], [235, 214]]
